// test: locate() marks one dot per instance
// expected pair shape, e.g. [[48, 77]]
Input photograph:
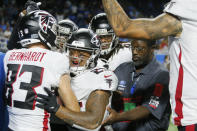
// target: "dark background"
[[80, 11]]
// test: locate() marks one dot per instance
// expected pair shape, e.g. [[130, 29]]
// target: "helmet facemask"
[[66, 28], [100, 25], [108, 40], [82, 59], [84, 50], [63, 35]]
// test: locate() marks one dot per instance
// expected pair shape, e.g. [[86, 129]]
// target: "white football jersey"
[[183, 63], [28, 72], [123, 55], [91, 80]]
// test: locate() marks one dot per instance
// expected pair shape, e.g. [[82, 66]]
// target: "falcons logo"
[[46, 21], [95, 41], [109, 81]]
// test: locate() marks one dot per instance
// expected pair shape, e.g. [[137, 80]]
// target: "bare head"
[[143, 52]]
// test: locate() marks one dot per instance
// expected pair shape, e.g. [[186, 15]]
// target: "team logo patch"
[[109, 81], [154, 102], [122, 85], [95, 41]]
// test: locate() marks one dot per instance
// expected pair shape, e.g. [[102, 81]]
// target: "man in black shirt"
[[143, 85]]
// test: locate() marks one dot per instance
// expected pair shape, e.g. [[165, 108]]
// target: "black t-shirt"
[[147, 88]]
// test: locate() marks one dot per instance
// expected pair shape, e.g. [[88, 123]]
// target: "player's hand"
[[64, 78], [111, 118], [49, 102]]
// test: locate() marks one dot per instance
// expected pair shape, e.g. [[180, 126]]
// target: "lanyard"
[[134, 84]]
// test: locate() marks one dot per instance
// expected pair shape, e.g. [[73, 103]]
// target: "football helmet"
[[37, 26], [66, 27], [100, 25], [84, 50]]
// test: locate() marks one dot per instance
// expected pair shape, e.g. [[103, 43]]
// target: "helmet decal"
[[37, 26], [95, 40], [45, 21]]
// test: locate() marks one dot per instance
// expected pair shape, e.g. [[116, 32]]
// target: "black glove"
[[49, 102], [31, 6]]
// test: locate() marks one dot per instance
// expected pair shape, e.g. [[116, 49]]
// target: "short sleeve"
[[63, 64], [181, 9], [107, 81], [157, 98]]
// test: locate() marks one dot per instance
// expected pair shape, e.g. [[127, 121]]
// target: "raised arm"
[[92, 117], [161, 26]]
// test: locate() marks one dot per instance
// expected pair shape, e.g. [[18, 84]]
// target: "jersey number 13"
[[21, 83]]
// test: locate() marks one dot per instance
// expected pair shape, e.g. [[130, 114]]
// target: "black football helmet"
[[69, 25], [85, 40], [66, 28], [100, 25], [37, 26]]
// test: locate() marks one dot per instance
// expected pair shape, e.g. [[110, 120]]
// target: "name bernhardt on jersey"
[[26, 56]]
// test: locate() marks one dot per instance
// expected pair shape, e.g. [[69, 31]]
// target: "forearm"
[[159, 27], [116, 16], [93, 115], [122, 25], [84, 119], [137, 113], [67, 95]]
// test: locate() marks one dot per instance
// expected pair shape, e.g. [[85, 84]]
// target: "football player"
[[91, 84], [113, 53], [32, 68], [66, 28]]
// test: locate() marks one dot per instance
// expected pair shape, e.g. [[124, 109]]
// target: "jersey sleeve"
[[182, 10], [107, 81], [63, 64], [61, 67], [157, 99]]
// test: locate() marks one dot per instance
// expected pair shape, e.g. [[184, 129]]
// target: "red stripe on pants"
[[178, 95], [190, 128], [45, 121]]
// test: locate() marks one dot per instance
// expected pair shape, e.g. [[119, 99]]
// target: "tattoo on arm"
[[97, 102], [92, 116], [116, 15], [145, 28], [162, 26]]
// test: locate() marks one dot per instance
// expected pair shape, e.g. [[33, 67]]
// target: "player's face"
[[141, 52], [78, 58], [105, 41], [62, 37], [61, 40]]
